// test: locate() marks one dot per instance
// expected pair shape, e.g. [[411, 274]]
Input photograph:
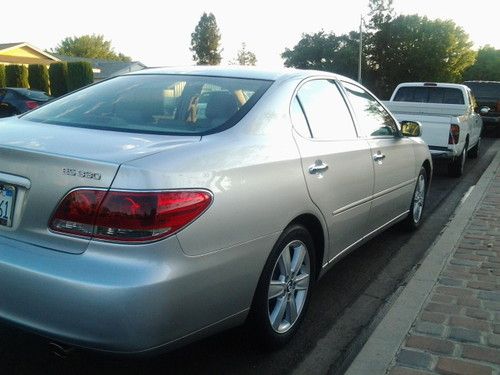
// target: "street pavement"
[[447, 318]]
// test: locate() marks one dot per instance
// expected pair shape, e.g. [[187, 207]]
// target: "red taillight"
[[128, 216], [454, 134], [31, 104]]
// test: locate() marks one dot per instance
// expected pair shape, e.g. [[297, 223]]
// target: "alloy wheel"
[[288, 286], [419, 198]]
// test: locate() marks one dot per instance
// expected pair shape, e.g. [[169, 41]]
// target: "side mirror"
[[484, 110], [411, 128]]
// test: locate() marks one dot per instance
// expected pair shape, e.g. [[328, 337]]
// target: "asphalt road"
[[344, 307]]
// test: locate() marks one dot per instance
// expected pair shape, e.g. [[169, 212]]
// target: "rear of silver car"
[[155, 208], [130, 294]]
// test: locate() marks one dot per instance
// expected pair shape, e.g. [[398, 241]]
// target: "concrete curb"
[[380, 349]]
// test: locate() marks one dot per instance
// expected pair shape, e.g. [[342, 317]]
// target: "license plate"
[[7, 199]]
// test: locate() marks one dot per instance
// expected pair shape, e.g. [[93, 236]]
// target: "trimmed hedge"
[[2, 75], [79, 74], [39, 77], [16, 76], [58, 74]]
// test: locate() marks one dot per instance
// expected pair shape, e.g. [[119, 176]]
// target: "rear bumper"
[[441, 152], [127, 299]]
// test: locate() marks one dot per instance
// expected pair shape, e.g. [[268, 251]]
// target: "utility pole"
[[360, 47]]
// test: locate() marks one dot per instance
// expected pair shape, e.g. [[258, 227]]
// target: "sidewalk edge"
[[383, 344]]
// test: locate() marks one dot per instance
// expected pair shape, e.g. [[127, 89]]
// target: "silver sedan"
[[154, 208]]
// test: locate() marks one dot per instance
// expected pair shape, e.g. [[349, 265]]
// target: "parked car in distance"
[[487, 94], [14, 101], [447, 111], [131, 222]]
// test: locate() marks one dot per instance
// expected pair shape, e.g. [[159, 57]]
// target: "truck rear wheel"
[[474, 151], [456, 166]]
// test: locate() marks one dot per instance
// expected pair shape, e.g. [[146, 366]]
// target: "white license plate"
[[7, 199]]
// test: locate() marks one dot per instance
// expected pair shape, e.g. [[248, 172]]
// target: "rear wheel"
[[418, 202], [474, 151], [456, 167], [284, 288]]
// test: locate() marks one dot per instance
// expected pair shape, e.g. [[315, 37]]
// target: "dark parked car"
[[14, 101], [487, 95]]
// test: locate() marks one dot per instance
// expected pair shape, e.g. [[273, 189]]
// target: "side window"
[[298, 119], [326, 110], [371, 116]]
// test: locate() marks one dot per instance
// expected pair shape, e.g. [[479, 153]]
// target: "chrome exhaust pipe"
[[60, 350]]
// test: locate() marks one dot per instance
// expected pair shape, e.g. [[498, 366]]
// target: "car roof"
[[239, 72], [21, 89], [481, 81]]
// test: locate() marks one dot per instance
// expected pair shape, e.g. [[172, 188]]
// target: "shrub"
[[38, 77], [16, 76], [58, 75], [79, 74], [2, 75]]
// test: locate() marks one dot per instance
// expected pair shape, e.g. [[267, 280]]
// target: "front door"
[[391, 155]]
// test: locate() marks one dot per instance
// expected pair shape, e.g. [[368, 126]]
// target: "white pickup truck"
[[447, 112]]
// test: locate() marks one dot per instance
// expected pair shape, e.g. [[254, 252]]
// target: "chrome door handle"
[[378, 156], [318, 167]]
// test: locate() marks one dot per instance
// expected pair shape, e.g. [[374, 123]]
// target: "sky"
[[158, 32]]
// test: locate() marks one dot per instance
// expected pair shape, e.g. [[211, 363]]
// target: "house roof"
[[8, 45], [4, 47], [106, 68]]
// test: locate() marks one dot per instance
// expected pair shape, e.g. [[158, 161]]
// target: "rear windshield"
[[440, 95], [160, 104], [485, 90]]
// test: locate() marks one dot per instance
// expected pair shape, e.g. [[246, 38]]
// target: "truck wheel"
[[284, 288], [474, 151], [456, 167]]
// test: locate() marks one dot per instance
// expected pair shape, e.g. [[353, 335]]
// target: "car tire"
[[474, 151], [284, 288], [414, 218], [456, 167]]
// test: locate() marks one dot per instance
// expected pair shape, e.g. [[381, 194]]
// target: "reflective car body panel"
[[124, 297]]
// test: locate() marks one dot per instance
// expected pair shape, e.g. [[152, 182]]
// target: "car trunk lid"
[[41, 163]]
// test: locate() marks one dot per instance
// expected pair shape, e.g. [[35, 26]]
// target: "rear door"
[[392, 157], [336, 163]]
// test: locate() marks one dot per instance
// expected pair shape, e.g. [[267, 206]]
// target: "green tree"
[[16, 76], [58, 75], [325, 51], [2, 75], [244, 57], [79, 74], [205, 41], [90, 46], [38, 76], [414, 48], [381, 13], [486, 67]]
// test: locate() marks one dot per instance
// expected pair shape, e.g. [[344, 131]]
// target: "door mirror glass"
[[411, 128]]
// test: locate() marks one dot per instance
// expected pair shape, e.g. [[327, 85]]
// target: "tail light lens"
[[454, 134], [31, 104], [128, 216]]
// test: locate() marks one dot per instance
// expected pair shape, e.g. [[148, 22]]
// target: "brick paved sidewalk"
[[458, 329]]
